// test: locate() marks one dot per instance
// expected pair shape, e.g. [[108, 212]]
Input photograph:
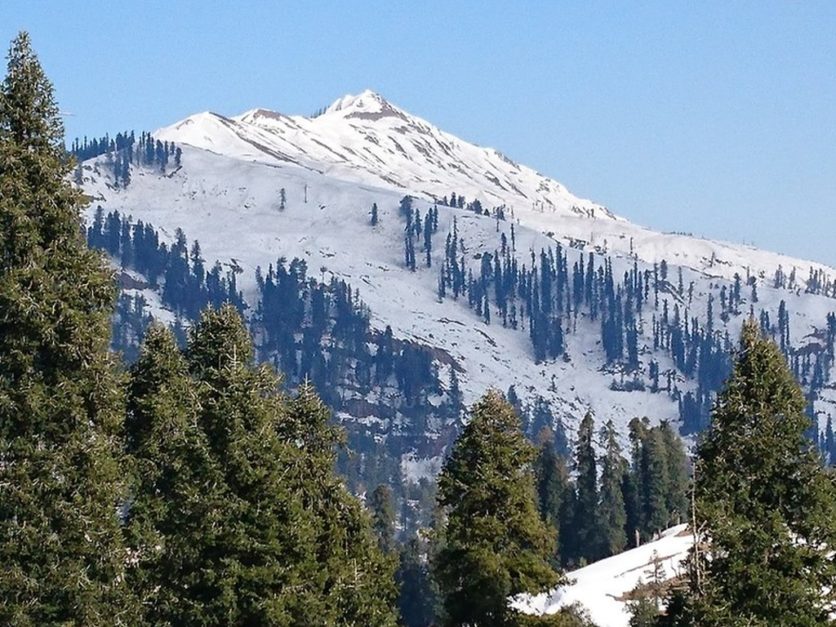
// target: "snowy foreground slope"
[[364, 150], [600, 588]]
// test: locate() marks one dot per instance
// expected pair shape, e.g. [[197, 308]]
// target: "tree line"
[[123, 151]]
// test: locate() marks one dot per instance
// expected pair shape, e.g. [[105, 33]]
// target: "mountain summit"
[[366, 139]]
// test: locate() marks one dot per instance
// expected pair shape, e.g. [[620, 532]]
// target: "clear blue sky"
[[717, 118]]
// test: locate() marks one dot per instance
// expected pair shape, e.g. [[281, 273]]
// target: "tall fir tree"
[[553, 487], [587, 541], [179, 498], [612, 515], [416, 593], [676, 498], [383, 517], [353, 575], [256, 567], [656, 483], [764, 508], [494, 543], [61, 549]]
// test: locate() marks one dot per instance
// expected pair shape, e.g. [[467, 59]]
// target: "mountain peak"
[[368, 105], [365, 138]]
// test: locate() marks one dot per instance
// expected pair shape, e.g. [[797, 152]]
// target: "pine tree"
[[494, 544], [764, 507], [656, 481], [587, 537], [553, 486], [256, 567], [416, 598], [61, 549], [383, 517], [676, 492], [353, 574], [612, 516], [179, 499]]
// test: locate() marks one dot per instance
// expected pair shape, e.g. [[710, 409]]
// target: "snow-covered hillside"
[[366, 139], [603, 587], [363, 150]]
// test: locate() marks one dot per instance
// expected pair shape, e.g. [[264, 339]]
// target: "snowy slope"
[[366, 139], [601, 587], [334, 166], [230, 206]]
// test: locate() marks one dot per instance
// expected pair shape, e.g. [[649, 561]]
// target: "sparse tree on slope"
[[764, 507], [494, 543], [61, 549]]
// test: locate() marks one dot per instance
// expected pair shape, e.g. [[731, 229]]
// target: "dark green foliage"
[[764, 507], [61, 548], [179, 501], [553, 488], [417, 595], [383, 517], [644, 612], [656, 480], [586, 540], [238, 516], [612, 516], [678, 483], [354, 575], [494, 544], [254, 568], [655, 489]]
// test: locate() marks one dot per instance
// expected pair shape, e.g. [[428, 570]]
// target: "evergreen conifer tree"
[[553, 486], [256, 568], [656, 483], [764, 508], [494, 544], [612, 515], [354, 576], [61, 548], [416, 597], [587, 537], [676, 498], [179, 498], [383, 517]]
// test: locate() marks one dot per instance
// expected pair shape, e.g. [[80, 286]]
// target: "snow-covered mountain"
[[368, 140], [362, 150]]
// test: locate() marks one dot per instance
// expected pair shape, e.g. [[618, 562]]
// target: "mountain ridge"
[[268, 136], [367, 139]]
